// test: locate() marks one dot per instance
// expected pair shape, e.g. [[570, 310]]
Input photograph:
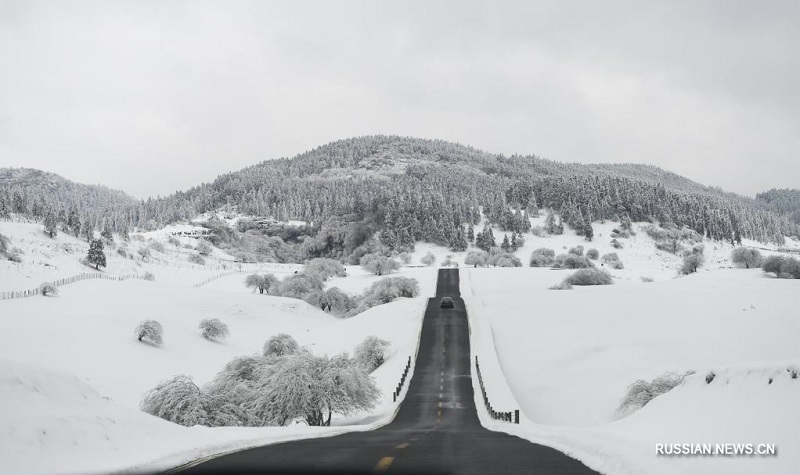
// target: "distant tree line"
[[412, 190]]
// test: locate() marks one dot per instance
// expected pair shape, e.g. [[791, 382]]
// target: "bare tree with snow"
[[213, 329], [150, 330], [177, 400], [747, 257], [371, 353], [281, 344]]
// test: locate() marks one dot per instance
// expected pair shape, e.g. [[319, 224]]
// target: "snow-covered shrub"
[[144, 252], [390, 288], [610, 257], [672, 246], [151, 331], [262, 283], [641, 392], [213, 329], [772, 264], [298, 286], [476, 258], [591, 276], [542, 257], [647, 279], [783, 267], [313, 388], [3, 244], [691, 262], [404, 257], [577, 251], [47, 289], [791, 267], [197, 259], [428, 259], [174, 241], [236, 394], [539, 231], [593, 254], [747, 257], [612, 260], [617, 233], [157, 246], [122, 253], [571, 261], [203, 248], [504, 260], [561, 286], [448, 262], [281, 344], [149, 276], [616, 244], [672, 233], [378, 264], [325, 268], [332, 300], [371, 353], [177, 400]]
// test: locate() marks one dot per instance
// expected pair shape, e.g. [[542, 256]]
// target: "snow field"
[[566, 358], [83, 340]]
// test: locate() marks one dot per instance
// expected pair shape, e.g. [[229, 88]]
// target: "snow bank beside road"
[[569, 356], [88, 332]]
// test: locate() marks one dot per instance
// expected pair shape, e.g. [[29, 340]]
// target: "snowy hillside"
[[568, 357], [74, 372], [564, 358]]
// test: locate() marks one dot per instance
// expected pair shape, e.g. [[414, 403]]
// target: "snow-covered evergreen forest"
[[411, 190]]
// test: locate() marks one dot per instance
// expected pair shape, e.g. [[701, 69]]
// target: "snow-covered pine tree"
[[550, 223], [459, 242], [506, 245], [51, 223], [106, 234], [96, 256]]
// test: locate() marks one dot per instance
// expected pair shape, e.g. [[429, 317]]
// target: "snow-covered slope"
[[568, 357], [73, 372]]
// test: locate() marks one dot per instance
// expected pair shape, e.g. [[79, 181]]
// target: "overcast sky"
[[152, 97]]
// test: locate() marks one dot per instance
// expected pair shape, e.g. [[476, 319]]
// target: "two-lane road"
[[436, 429]]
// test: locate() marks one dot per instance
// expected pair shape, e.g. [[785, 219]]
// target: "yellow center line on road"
[[402, 446], [383, 464]]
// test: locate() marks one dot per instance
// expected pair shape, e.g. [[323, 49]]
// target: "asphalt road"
[[436, 429]]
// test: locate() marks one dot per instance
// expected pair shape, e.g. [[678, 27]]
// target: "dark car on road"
[[446, 302]]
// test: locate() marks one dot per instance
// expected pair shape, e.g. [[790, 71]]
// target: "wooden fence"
[[500, 416], [253, 268], [18, 294], [402, 382]]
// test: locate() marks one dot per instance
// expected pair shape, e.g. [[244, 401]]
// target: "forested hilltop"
[[784, 202], [415, 190], [43, 195]]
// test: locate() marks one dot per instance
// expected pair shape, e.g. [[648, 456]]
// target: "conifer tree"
[[506, 245], [471, 233], [458, 243], [550, 223], [51, 223], [96, 256]]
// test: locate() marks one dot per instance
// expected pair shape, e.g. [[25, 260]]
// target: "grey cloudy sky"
[[151, 97]]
